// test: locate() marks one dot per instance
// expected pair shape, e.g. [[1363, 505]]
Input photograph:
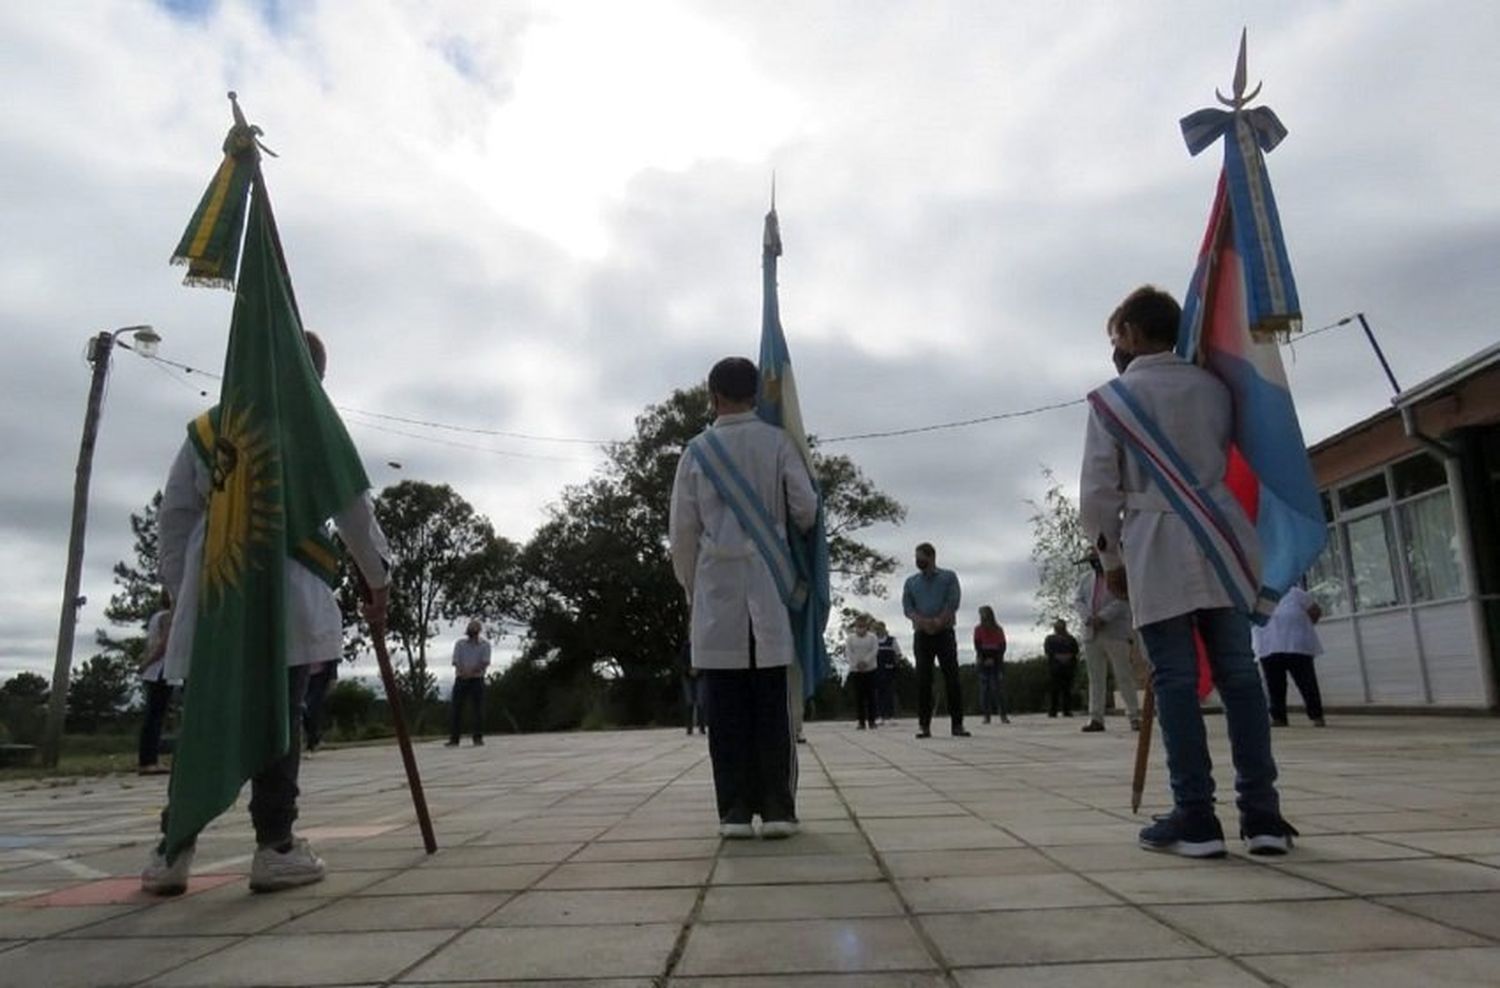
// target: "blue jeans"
[[1174, 677], [991, 695]]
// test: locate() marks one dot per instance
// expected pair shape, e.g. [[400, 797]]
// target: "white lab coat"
[[1289, 630], [861, 651], [729, 585], [315, 630], [1093, 599], [1128, 519]]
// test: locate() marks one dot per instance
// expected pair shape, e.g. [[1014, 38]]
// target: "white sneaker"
[[737, 831], [161, 878], [272, 870], [778, 829]]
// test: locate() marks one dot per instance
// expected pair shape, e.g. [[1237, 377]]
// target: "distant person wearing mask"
[[930, 600], [471, 658]]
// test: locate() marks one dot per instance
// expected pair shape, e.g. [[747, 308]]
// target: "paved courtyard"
[[590, 859]]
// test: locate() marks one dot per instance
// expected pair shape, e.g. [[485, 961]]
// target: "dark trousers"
[[312, 708], [692, 702], [1277, 665], [158, 698], [991, 692], [273, 790], [1060, 687], [471, 692], [864, 696], [885, 692], [750, 743], [943, 647]]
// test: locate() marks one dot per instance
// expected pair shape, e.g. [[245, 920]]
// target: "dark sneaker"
[[1093, 727], [450, 744], [1319, 722], [924, 733], [959, 732], [1267, 834], [1192, 834]]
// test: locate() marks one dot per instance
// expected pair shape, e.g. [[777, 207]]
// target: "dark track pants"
[[751, 744]]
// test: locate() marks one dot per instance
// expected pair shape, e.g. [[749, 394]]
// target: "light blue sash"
[[756, 521]]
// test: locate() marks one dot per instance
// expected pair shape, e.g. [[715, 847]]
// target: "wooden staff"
[[398, 719], [1148, 721]]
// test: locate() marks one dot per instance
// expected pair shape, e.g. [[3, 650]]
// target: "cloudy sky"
[[539, 218]]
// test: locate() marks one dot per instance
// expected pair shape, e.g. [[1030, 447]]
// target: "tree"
[[140, 590], [101, 692], [447, 564], [601, 599], [1057, 543], [27, 687], [23, 701]]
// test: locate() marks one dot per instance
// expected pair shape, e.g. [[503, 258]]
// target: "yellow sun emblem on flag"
[[241, 512], [771, 387]]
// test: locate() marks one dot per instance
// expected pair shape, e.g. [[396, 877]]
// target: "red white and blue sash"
[[1125, 418]]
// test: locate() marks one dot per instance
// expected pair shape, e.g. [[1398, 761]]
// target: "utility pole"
[[57, 702]]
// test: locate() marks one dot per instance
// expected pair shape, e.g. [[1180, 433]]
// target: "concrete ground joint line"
[[536, 882], [886, 875]]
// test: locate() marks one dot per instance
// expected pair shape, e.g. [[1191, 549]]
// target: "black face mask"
[[1121, 359]]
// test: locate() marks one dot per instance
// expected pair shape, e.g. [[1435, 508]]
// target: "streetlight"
[[99, 350]]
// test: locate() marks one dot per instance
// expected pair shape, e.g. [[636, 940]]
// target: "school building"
[[1410, 580]]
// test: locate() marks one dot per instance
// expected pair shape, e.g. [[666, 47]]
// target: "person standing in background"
[[930, 600], [1061, 650], [1287, 644], [318, 682], [989, 657], [471, 657], [887, 658], [692, 689], [861, 648], [1106, 645], [158, 692]]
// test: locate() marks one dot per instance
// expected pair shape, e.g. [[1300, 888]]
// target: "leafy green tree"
[[1057, 543], [600, 596], [23, 703], [101, 692], [350, 704], [448, 564], [139, 593], [27, 687]]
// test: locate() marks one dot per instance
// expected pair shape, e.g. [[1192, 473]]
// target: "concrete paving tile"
[[1395, 877], [803, 843], [1082, 833], [349, 857], [1477, 912], [1119, 856], [1318, 925], [204, 915], [1346, 847], [974, 863], [591, 907], [1052, 936], [1474, 968], [865, 979], [566, 983], [943, 833], [771, 902], [88, 963], [803, 947], [373, 912], [1463, 842], [431, 881], [307, 959], [628, 874], [551, 952], [976, 894], [28, 923], [1211, 881], [650, 850], [485, 855], [1204, 973], [801, 868]]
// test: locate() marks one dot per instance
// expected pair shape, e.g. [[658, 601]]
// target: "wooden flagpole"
[[1143, 747]]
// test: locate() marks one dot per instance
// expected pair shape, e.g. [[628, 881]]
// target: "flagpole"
[[398, 720]]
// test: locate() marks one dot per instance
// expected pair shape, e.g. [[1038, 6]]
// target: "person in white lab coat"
[[741, 633], [314, 635], [1173, 588], [1104, 621], [861, 648]]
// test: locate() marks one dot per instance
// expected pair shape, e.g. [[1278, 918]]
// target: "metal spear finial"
[[1240, 78]]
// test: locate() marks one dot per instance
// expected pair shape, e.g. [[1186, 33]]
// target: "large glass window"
[[1372, 561], [1325, 579], [1415, 474], [1431, 549], [1362, 492]]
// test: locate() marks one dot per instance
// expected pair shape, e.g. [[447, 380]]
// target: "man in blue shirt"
[[930, 600]]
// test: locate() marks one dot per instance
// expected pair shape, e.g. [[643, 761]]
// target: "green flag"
[[211, 243], [282, 464]]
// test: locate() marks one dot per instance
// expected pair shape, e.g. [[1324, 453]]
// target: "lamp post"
[[99, 351]]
